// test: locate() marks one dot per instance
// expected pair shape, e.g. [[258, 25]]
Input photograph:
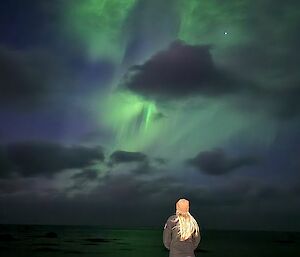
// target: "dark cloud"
[[83, 178], [185, 70], [44, 159], [88, 174], [217, 162], [127, 157], [180, 71]]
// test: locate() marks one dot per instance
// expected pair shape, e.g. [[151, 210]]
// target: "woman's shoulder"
[[171, 222], [172, 218]]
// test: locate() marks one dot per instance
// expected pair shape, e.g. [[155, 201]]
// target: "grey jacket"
[[171, 240]]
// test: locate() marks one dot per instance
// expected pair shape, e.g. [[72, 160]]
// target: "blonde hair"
[[186, 225]]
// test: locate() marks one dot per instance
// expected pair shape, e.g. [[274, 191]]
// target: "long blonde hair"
[[186, 225]]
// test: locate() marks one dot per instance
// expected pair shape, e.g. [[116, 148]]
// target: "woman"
[[181, 232]]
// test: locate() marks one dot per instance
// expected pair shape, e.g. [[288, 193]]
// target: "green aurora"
[[141, 124]]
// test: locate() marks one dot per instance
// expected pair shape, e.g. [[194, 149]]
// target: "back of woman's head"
[[186, 224]]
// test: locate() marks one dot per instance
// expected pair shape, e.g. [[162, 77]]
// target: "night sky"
[[111, 110]]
